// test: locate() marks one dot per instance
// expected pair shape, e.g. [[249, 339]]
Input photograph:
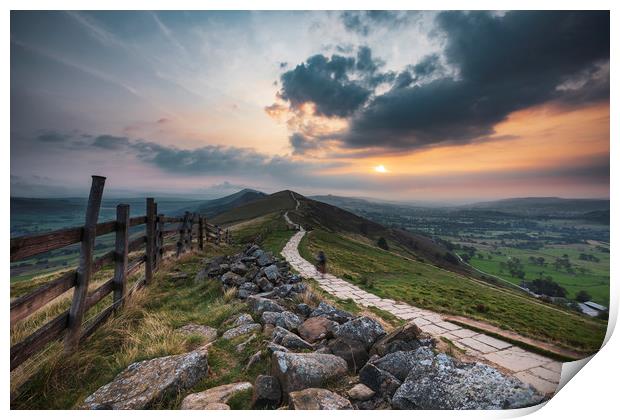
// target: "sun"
[[380, 169]]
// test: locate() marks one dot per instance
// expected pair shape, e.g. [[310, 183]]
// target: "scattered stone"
[[232, 279], [268, 329], [241, 346], [267, 392], [247, 289], [145, 383], [220, 394], [402, 338], [273, 347], [316, 329], [317, 399], [400, 363], [353, 351], [297, 371], [271, 272], [360, 392], [209, 333], [241, 330], [383, 383], [289, 340], [265, 259], [255, 358], [304, 310], [260, 305], [242, 319], [264, 284], [287, 320], [239, 268], [363, 329], [329, 312], [450, 385]]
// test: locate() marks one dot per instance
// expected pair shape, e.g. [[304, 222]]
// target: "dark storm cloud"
[[337, 85], [504, 64], [363, 22], [53, 137], [301, 144], [110, 142]]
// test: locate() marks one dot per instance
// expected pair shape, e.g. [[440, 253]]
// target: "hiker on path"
[[321, 265]]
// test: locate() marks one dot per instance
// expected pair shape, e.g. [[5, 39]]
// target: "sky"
[[409, 106]]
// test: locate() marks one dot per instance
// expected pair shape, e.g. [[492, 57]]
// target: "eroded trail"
[[541, 372]]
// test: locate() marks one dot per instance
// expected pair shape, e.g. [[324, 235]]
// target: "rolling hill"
[[217, 206], [547, 206]]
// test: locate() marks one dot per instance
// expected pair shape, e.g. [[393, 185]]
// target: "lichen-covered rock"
[[352, 351], [329, 312], [232, 279], [360, 392], [363, 329], [264, 284], [316, 329], [241, 330], [145, 383], [220, 394], [400, 363], [271, 272], [297, 371], [239, 268], [287, 320], [289, 340], [239, 319], [450, 385], [317, 399], [303, 309], [260, 304], [383, 383], [402, 338], [209, 333], [267, 392], [264, 258]]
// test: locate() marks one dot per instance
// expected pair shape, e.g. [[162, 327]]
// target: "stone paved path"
[[539, 371]]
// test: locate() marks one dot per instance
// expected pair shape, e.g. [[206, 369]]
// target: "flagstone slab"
[[464, 333], [546, 374], [513, 359], [493, 342], [448, 326], [477, 345], [540, 384]]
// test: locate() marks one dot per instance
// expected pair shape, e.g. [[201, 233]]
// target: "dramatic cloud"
[[504, 64], [363, 22]]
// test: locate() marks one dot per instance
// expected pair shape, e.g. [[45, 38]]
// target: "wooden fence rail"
[[189, 229]]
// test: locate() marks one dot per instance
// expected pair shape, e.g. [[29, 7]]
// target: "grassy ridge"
[[426, 286]]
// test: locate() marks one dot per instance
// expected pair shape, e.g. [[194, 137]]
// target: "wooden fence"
[[190, 230]]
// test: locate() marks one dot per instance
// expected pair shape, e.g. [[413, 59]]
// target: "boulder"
[[210, 334], [273, 347], [271, 272], [241, 330], [264, 259], [402, 338], [297, 371], [354, 352], [216, 406], [267, 392], [260, 304], [145, 383], [240, 319], [383, 383], [303, 309], [329, 312], [400, 363], [232, 279], [316, 329], [247, 289], [239, 268], [287, 320], [317, 399], [360, 392], [289, 340], [264, 284], [450, 385], [363, 329], [218, 395], [283, 290]]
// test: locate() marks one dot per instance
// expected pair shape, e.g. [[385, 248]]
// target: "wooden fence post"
[[201, 233], [84, 271], [121, 249], [150, 240], [155, 238]]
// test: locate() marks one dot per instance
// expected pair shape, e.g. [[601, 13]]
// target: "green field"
[[391, 276]]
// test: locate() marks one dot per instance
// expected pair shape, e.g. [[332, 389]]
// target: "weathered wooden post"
[[201, 233], [84, 271], [121, 250], [150, 240]]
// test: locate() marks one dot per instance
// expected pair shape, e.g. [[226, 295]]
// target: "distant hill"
[[217, 206], [544, 206], [314, 214]]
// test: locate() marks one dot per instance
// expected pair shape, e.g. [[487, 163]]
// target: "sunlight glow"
[[380, 169]]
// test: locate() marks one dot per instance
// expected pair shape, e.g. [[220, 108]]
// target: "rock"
[[259, 305], [264, 284], [267, 392], [220, 394], [450, 385], [400, 363], [273, 347], [241, 346], [264, 259], [241, 319], [289, 340], [216, 406], [402, 338], [297, 371], [252, 249], [363, 329], [232, 279], [250, 288], [271, 272], [283, 290], [243, 294], [303, 309], [317, 399], [360, 392], [241, 330], [287, 320], [352, 351], [213, 268], [332, 313], [145, 383], [239, 268], [316, 329], [383, 383], [255, 358], [209, 333], [268, 329]]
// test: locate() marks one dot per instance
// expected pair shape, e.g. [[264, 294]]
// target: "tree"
[[382, 243], [583, 296]]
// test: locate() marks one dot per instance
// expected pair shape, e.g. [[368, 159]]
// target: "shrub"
[[382, 243]]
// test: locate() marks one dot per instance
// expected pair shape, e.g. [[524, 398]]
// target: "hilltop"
[[220, 205]]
